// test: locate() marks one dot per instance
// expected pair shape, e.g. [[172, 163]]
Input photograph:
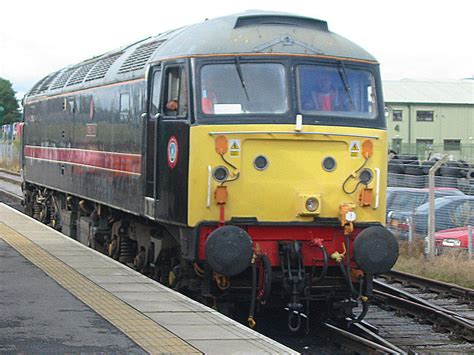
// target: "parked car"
[[455, 238], [408, 198], [450, 212]]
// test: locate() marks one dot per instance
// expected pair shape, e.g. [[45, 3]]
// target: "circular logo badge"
[[172, 152]]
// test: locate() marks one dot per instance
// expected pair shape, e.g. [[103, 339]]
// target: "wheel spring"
[[37, 209], [127, 250]]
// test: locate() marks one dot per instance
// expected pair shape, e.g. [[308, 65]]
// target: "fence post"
[[431, 211], [469, 241], [410, 235]]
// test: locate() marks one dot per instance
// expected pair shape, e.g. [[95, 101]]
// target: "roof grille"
[[43, 84], [101, 67], [80, 74], [138, 59], [62, 78], [255, 20]]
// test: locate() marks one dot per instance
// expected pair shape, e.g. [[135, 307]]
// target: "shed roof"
[[437, 92]]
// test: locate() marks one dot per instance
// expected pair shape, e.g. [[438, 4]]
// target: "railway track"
[[361, 338], [10, 188], [443, 289], [411, 314], [423, 315]]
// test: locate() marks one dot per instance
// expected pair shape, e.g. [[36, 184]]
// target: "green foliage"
[[9, 103]]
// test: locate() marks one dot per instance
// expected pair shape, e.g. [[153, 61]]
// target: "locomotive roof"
[[249, 32]]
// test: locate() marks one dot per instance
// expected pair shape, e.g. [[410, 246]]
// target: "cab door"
[[173, 143], [151, 142], [167, 143]]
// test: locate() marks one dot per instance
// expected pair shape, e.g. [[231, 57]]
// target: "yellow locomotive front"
[[287, 177]]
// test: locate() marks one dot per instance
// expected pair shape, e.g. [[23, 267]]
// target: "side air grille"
[[101, 67], [43, 84], [138, 59], [80, 74], [63, 78]]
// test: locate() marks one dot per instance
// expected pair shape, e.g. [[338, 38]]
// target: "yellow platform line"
[[142, 330]]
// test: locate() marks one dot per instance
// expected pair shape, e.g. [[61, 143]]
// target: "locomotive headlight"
[[310, 204]]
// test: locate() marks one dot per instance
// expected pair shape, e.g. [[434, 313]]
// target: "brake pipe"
[[253, 296], [318, 243]]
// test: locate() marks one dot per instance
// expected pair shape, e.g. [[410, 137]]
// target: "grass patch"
[[453, 266], [11, 166]]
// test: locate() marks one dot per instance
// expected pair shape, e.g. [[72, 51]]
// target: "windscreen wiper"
[[241, 77], [343, 75]]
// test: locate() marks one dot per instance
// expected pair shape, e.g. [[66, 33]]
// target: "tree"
[[8, 102]]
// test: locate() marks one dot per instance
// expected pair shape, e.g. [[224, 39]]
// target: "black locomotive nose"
[[229, 250], [375, 250]]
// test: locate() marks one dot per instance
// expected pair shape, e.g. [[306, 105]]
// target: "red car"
[[452, 238]]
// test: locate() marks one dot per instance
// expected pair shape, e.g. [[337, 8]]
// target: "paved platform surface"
[[94, 303], [39, 316]]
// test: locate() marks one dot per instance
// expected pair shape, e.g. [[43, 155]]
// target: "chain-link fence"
[[408, 210]]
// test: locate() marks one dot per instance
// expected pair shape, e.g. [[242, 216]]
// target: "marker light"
[[260, 162], [351, 216], [365, 176], [329, 164], [220, 173]]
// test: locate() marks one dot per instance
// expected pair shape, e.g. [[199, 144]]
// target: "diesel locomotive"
[[238, 160]]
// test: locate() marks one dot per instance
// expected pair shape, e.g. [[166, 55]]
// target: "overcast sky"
[[416, 39]]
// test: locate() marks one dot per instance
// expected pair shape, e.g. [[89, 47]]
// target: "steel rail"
[[382, 286], [9, 172], [360, 343], [444, 288], [10, 177], [456, 324], [10, 196]]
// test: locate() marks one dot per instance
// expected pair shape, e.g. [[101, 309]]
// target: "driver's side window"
[[176, 92], [155, 93]]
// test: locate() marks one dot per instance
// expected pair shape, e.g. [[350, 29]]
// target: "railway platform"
[[57, 295]]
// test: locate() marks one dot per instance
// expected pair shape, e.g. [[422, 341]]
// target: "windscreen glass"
[[243, 89], [336, 91]]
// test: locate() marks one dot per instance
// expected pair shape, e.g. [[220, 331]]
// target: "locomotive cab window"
[[155, 94], [176, 93], [336, 91], [243, 88]]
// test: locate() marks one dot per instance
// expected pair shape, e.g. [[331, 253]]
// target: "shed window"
[[397, 115], [426, 116], [423, 146], [452, 144]]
